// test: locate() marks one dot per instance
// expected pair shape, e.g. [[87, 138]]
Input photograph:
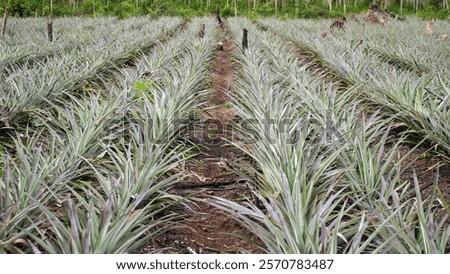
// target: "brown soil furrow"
[[204, 228]]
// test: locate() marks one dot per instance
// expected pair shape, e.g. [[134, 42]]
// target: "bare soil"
[[426, 166]]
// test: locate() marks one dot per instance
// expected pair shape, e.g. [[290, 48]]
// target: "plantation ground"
[[165, 136], [205, 229]]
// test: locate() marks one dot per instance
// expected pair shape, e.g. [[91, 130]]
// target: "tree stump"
[[50, 30], [245, 39], [201, 33]]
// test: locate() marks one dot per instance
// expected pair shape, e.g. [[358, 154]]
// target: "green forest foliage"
[[250, 8]]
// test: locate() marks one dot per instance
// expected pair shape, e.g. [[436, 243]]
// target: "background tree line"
[[251, 8]]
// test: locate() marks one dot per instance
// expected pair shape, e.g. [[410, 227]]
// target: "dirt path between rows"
[[204, 228]]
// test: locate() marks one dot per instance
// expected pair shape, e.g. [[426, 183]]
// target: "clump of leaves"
[[142, 89]]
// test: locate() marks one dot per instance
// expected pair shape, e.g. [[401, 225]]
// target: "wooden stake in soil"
[[201, 33], [245, 40], [50, 30], [5, 20], [218, 18]]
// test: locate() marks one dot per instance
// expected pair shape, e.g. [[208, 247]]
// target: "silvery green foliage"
[[87, 176], [335, 189], [413, 85], [28, 85]]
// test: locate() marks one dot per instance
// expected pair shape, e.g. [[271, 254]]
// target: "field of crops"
[[343, 141]]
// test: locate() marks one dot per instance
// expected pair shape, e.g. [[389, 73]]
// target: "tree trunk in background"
[[5, 20]]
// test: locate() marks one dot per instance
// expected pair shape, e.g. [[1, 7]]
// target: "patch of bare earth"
[[427, 167], [204, 228]]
